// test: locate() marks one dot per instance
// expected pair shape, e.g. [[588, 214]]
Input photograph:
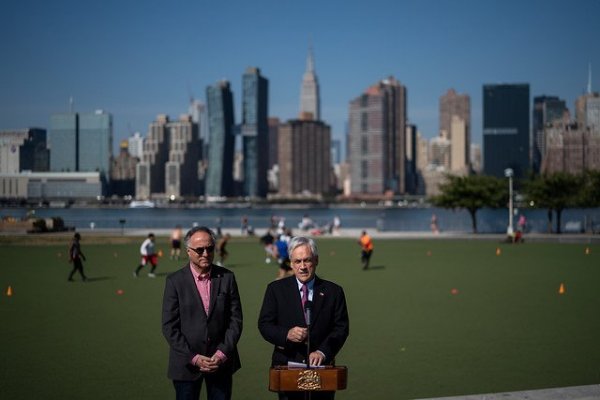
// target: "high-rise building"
[[255, 133], [135, 145], [455, 123], [546, 110], [81, 142], [310, 101], [571, 148], [185, 152], [506, 129], [23, 150], [377, 139], [64, 142], [273, 139], [122, 172], [150, 171], [304, 158], [219, 173]]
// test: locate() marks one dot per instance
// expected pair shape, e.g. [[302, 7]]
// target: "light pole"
[[508, 172]]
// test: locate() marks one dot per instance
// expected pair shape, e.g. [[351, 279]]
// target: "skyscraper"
[[255, 133], [81, 142], [506, 129], [219, 174], [150, 171], [455, 123], [304, 158], [377, 139], [310, 101], [185, 152], [546, 110]]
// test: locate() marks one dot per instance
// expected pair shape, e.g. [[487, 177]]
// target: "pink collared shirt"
[[203, 285]]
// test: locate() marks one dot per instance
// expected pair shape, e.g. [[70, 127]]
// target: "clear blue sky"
[[137, 59]]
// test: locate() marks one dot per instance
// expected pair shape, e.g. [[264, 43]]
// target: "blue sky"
[[137, 59]]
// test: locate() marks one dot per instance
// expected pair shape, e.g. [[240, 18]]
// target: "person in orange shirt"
[[366, 245]]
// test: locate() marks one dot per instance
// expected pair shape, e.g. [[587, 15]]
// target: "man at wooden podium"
[[283, 316]]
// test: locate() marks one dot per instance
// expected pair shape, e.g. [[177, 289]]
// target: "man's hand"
[[208, 364], [297, 334], [316, 358]]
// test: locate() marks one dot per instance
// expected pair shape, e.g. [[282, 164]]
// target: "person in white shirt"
[[148, 253]]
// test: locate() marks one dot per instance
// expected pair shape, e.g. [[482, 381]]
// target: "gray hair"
[[195, 229], [303, 241]]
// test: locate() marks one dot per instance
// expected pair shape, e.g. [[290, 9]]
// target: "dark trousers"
[[77, 267], [218, 387]]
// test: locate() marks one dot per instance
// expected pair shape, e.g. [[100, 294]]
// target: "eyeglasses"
[[201, 250]]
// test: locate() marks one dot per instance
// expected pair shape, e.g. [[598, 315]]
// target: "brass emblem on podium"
[[309, 379]]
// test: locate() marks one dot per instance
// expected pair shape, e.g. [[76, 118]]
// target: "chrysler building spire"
[[310, 102]]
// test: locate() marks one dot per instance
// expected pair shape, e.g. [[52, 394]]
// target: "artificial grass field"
[[506, 327]]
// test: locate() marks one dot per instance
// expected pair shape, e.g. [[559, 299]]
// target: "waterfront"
[[375, 218]]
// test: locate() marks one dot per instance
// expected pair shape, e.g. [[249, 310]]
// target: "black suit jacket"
[[282, 310], [189, 331]]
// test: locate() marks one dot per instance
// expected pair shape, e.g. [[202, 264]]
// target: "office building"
[[506, 129], [273, 139], [377, 139], [546, 111], [135, 145], [219, 173], [571, 148], [122, 172], [24, 150], [182, 177], [81, 142], [305, 159], [255, 133], [455, 123], [310, 101], [150, 171]]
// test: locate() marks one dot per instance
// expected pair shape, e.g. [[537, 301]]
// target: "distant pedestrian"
[[434, 224], [522, 223], [283, 257], [148, 253], [337, 223], [366, 245], [244, 227], [176, 236], [268, 242], [75, 257], [222, 249]]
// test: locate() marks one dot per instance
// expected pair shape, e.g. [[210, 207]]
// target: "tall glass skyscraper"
[[506, 129], [81, 142], [219, 173], [95, 142], [64, 142]]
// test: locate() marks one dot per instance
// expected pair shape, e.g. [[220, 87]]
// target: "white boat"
[[142, 204]]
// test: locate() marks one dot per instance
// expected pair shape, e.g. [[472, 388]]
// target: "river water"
[[384, 219]]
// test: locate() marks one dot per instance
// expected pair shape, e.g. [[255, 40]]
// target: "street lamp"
[[508, 172]]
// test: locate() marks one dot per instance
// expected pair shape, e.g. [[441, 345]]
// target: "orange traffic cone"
[[9, 291], [498, 251], [160, 253], [561, 289]]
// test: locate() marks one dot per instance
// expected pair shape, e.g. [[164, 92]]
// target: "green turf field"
[[506, 327]]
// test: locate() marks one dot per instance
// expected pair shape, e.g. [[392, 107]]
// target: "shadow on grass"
[[375, 267], [101, 278]]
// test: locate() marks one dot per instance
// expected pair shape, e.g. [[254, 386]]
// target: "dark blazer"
[[282, 310], [189, 331]]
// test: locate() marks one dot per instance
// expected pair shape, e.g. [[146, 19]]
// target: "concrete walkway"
[[589, 392]]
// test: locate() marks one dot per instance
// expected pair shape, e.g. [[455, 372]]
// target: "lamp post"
[[508, 172]]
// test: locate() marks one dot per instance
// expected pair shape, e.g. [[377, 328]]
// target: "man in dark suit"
[[202, 322], [282, 320]]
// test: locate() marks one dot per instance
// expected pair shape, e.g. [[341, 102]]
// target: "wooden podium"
[[289, 379]]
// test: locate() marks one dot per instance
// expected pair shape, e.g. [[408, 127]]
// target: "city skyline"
[[115, 56]]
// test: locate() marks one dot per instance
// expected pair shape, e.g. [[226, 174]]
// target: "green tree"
[[555, 192], [591, 190], [472, 193]]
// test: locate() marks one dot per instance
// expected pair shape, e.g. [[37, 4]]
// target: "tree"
[[556, 192], [472, 193]]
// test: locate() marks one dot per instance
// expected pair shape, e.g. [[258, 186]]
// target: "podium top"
[[293, 379]]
